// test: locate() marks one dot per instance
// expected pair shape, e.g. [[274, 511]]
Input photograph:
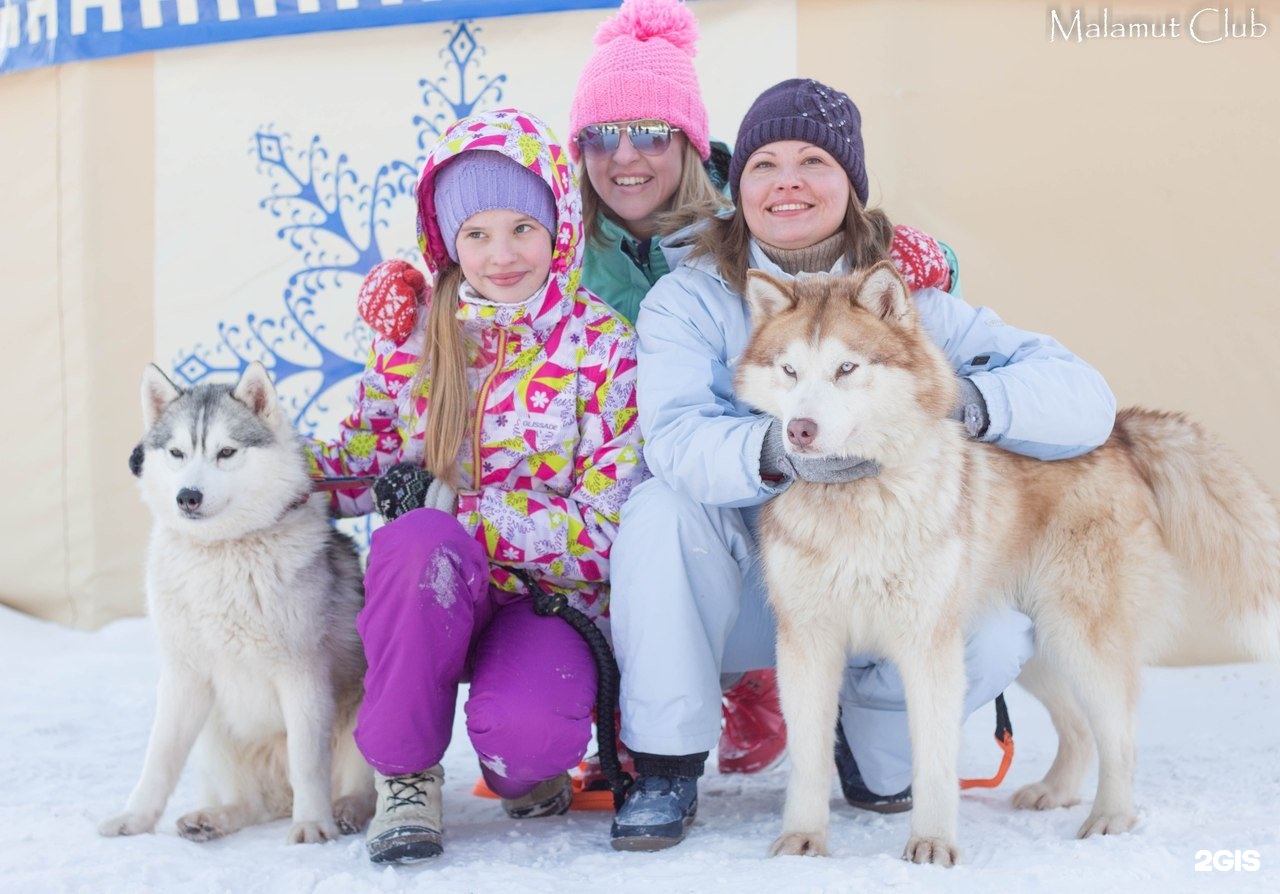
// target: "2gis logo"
[[1228, 861]]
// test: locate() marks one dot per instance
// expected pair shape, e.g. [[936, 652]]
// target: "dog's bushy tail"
[[1216, 519]]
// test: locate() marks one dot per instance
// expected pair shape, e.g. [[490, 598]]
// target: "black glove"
[[400, 489], [135, 460]]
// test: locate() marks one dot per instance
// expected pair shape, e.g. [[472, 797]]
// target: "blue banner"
[[34, 33]]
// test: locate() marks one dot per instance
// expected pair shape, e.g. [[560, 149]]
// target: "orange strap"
[[1006, 745]]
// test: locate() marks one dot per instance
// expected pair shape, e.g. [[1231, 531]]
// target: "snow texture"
[[76, 708]]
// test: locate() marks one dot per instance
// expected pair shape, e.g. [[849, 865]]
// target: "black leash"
[[1003, 725], [547, 602]]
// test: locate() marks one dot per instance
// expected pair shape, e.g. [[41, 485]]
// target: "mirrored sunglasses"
[[649, 137]]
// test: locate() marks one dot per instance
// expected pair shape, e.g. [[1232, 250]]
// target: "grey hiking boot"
[[551, 797], [408, 824]]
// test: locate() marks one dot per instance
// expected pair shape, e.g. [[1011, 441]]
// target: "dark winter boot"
[[855, 790], [656, 813]]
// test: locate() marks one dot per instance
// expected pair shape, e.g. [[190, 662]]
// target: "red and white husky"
[[1157, 548]]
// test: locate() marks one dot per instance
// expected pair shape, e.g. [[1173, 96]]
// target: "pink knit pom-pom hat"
[[643, 68]]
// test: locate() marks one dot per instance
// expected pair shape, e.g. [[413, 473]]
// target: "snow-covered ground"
[[75, 709]]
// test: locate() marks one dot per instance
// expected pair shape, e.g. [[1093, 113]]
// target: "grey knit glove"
[[972, 409], [775, 462]]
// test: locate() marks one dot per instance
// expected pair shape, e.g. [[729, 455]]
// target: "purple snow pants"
[[431, 620]]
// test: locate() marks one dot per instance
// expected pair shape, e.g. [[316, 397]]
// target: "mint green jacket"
[[610, 273]]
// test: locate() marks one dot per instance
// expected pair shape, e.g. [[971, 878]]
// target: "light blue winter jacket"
[[1042, 400]]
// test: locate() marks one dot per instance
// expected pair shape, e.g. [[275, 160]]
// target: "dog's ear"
[[767, 295], [255, 390], [884, 293], [157, 393]]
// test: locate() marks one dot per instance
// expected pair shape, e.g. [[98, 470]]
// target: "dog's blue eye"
[[846, 368], [789, 370], [176, 453], [226, 453]]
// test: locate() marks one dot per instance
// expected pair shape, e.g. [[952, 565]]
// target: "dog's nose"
[[801, 432], [189, 499]]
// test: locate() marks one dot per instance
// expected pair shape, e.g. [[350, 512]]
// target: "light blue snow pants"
[[688, 604]]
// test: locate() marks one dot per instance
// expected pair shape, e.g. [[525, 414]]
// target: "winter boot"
[[409, 820], [754, 736], [656, 813], [551, 797], [855, 790]]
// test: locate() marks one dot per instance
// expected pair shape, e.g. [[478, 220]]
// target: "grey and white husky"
[[254, 598]]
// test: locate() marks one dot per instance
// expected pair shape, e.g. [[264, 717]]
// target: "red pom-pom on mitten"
[[920, 259], [390, 297]]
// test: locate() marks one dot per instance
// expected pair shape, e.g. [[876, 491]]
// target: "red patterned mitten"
[[390, 296], [920, 259]]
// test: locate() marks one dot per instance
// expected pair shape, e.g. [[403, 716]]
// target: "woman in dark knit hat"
[[688, 601]]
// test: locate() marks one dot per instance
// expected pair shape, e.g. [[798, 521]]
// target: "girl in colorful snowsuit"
[[648, 167], [512, 393]]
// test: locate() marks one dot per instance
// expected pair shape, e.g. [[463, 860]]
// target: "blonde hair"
[[868, 235], [695, 197], [442, 369]]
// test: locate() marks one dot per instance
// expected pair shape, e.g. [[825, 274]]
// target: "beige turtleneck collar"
[[817, 258]]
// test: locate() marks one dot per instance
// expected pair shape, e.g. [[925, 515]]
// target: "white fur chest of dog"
[[254, 599], [229, 612], [869, 558]]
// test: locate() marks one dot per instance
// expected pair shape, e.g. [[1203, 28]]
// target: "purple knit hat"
[[482, 180], [804, 109], [643, 68]]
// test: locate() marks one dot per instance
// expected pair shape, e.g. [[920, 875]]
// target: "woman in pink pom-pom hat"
[[639, 129]]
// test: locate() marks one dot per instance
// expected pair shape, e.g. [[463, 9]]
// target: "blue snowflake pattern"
[[333, 219]]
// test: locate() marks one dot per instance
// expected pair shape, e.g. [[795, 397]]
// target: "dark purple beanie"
[[804, 109]]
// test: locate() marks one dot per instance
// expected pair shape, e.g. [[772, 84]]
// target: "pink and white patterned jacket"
[[554, 448]]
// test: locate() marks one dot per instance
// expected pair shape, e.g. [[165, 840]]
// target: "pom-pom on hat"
[[808, 110], [482, 180], [643, 68]]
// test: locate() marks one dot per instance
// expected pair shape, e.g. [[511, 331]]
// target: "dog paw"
[[352, 813], [932, 850], [127, 824], [800, 844], [312, 832], [201, 825], [1107, 824], [1039, 796]]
